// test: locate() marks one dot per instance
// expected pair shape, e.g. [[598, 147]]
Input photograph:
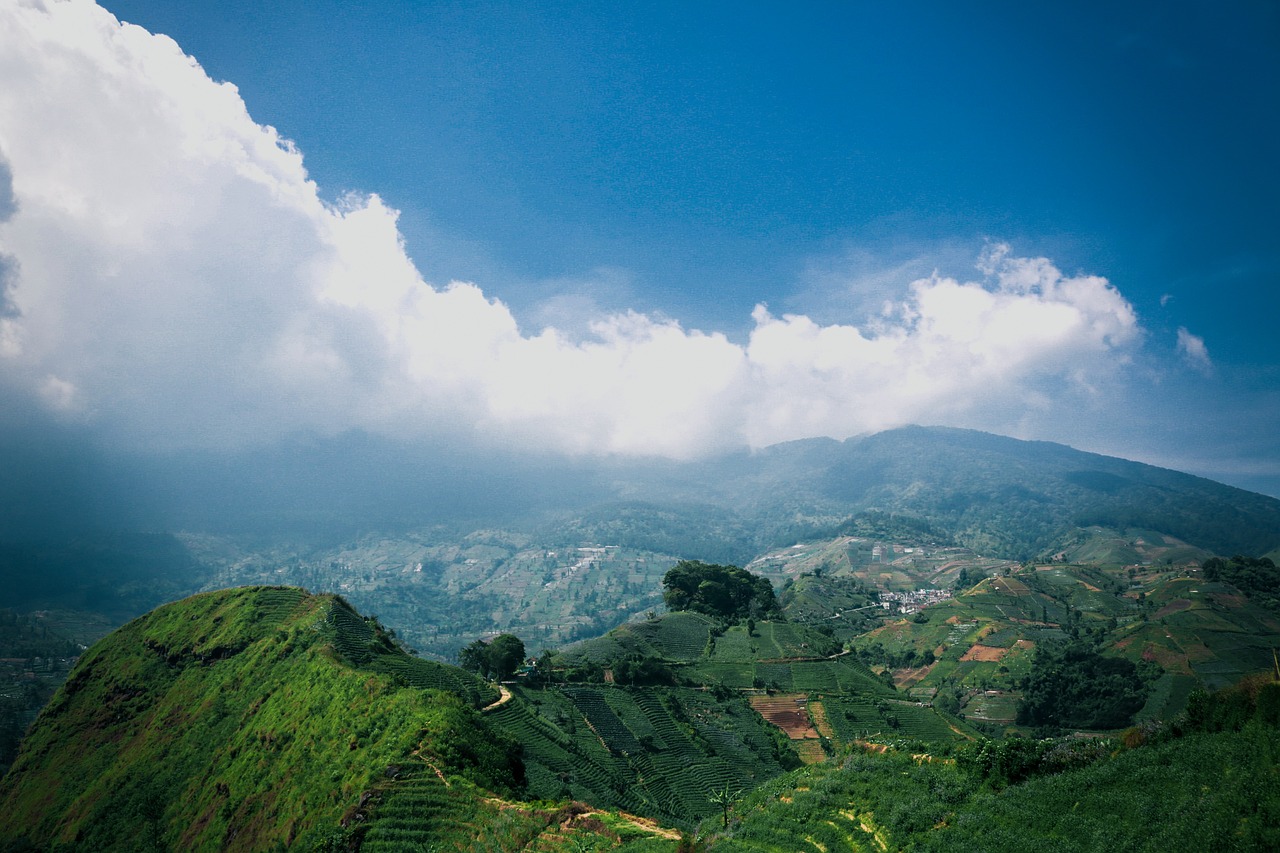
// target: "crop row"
[[686, 754], [681, 637], [278, 603], [616, 736], [559, 764], [429, 675], [418, 811]]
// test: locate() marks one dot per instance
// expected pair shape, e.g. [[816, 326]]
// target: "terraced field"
[[858, 718], [654, 751], [417, 810], [1201, 630]]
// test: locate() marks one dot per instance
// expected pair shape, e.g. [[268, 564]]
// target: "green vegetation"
[[655, 751], [265, 717], [229, 719], [1257, 578], [723, 592], [1073, 687], [498, 659], [1208, 780]]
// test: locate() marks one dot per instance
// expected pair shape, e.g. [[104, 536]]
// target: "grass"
[[228, 715]]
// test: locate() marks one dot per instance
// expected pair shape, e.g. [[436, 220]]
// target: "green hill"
[[971, 654], [244, 719], [656, 751], [794, 674], [267, 718]]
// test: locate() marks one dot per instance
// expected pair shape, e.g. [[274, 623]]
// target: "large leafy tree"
[[726, 592], [1257, 578], [506, 653], [498, 659]]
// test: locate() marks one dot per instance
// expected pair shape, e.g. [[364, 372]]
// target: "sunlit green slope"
[[241, 719]]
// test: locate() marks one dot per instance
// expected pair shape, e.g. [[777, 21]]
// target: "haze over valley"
[[640, 428]]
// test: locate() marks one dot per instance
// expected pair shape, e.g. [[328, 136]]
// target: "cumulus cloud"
[[1193, 351], [173, 277]]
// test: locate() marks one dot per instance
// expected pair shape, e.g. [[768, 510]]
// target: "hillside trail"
[[504, 696], [644, 824], [577, 811]]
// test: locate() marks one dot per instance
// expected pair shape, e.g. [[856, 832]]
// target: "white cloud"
[[177, 280], [1193, 351]]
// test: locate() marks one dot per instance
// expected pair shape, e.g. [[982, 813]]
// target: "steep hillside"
[[1010, 498], [244, 718], [797, 676], [657, 751]]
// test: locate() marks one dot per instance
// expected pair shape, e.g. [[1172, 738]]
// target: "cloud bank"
[[170, 275]]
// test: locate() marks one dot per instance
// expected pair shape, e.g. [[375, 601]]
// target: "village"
[[907, 603]]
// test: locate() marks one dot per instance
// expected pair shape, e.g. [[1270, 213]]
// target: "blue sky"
[[683, 164], [713, 150]]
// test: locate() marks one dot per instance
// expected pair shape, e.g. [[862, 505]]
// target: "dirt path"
[[577, 811], [417, 753], [504, 696], [643, 824]]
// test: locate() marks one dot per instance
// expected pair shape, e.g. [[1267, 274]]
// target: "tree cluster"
[[1257, 578], [723, 592], [1072, 686], [498, 659]]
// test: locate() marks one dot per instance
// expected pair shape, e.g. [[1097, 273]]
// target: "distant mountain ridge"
[[1001, 496]]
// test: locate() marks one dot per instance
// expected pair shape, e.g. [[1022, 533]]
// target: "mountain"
[[244, 718], [999, 496], [451, 545], [267, 718]]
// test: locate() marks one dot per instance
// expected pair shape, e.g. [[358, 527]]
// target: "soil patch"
[[984, 653], [783, 711], [1175, 606]]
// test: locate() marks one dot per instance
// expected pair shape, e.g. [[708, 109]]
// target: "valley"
[[919, 651]]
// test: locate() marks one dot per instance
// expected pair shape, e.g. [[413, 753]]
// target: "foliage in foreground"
[[233, 720], [1208, 781]]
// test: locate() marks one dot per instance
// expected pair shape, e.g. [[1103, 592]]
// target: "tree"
[[506, 654], [1073, 686], [725, 592], [475, 658], [725, 799], [498, 659]]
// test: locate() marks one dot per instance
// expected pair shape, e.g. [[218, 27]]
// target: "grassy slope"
[[1203, 792], [228, 720], [663, 750]]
